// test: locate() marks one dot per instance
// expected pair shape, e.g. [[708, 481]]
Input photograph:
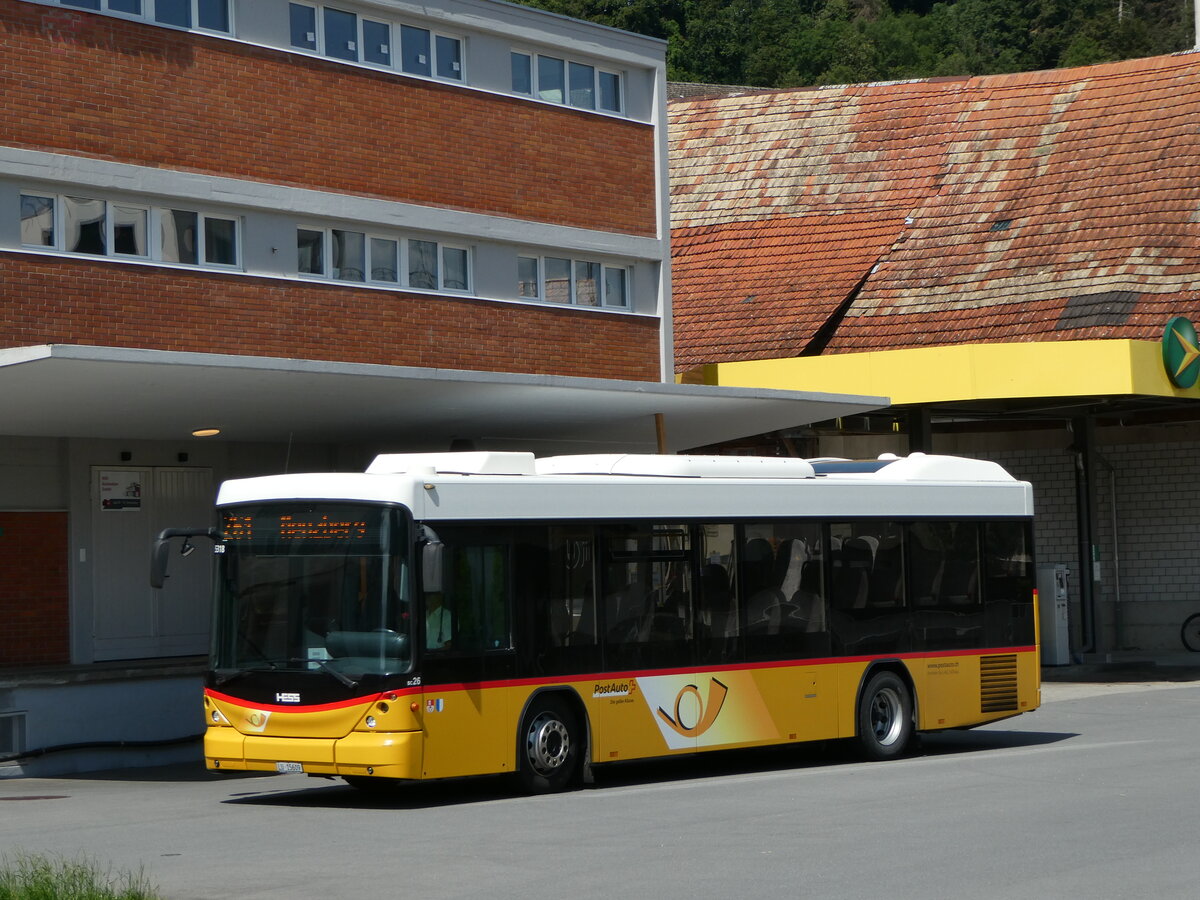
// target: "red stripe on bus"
[[301, 707]]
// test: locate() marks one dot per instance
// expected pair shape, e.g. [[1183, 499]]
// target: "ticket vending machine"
[[1052, 615]]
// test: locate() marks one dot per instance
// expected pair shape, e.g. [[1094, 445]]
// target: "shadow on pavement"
[[176, 772], [451, 792]]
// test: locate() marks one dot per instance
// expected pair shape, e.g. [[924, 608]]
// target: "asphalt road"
[[1094, 795]]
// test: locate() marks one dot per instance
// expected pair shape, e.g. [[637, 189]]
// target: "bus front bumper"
[[382, 754]]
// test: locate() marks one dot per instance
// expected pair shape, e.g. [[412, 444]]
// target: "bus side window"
[[783, 581], [869, 604], [556, 592], [471, 613], [1008, 582], [647, 594]]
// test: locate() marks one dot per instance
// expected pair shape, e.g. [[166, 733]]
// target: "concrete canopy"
[[63, 390]]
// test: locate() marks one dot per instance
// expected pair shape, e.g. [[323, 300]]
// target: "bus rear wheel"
[[548, 755], [885, 720]]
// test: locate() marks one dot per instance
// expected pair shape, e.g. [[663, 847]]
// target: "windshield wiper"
[[325, 667], [224, 678]]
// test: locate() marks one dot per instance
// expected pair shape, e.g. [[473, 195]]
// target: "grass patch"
[[28, 876]]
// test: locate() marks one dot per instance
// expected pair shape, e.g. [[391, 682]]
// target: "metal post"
[[1085, 467], [920, 430]]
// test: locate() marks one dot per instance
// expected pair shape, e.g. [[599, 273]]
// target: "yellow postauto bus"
[[456, 614]]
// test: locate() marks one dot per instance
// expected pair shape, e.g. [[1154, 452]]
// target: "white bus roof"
[[516, 486]]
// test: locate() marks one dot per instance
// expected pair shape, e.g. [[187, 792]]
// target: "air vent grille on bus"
[[998, 683]]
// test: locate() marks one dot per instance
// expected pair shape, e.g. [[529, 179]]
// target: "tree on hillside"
[[785, 43]]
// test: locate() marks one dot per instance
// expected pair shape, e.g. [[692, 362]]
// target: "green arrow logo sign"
[[1181, 352]]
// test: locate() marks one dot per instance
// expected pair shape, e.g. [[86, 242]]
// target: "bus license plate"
[[289, 768]]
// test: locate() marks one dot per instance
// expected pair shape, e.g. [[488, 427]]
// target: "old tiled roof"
[[1038, 206]]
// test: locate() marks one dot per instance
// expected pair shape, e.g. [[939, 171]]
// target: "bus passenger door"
[[468, 647]]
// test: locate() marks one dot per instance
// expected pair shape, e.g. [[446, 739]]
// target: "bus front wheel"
[[885, 719], [549, 747]]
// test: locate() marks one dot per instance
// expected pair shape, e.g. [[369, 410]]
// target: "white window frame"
[[154, 213], [602, 287], [401, 240], [597, 70], [110, 230], [149, 12], [469, 269], [395, 45]]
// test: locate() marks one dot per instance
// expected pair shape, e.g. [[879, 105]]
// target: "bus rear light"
[[370, 721]]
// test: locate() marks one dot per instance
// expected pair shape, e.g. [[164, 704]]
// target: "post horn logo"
[[702, 719], [1181, 352]]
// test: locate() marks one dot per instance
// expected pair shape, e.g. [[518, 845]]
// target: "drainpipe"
[[1118, 611], [1085, 456], [920, 430]]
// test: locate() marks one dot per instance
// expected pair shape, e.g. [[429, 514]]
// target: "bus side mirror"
[[160, 551], [431, 567], [158, 561]]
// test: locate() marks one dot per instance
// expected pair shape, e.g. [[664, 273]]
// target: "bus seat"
[[790, 559], [758, 565]]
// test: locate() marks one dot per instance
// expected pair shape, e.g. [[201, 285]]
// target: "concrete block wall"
[[1149, 579]]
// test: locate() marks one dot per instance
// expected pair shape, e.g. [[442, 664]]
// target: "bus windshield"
[[313, 586]]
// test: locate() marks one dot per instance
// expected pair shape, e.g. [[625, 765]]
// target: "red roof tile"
[[1037, 206]]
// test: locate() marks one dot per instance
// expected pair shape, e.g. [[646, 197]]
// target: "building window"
[[84, 226], [422, 265], [522, 73], [550, 79], [385, 260], [568, 82], [449, 57], [357, 256], [343, 35], [377, 42], [587, 283], [303, 20], [129, 230], [578, 282], [220, 241], [310, 247], [527, 277], [610, 91], [209, 15], [414, 50], [98, 227], [180, 239], [349, 255], [454, 269], [37, 221], [558, 280], [173, 12], [582, 85], [616, 290]]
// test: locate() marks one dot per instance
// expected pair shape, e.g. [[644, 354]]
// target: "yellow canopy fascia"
[[967, 372]]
